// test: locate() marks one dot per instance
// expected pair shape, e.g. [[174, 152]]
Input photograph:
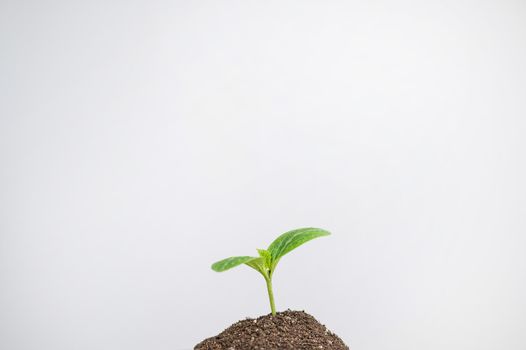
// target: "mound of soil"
[[287, 330]]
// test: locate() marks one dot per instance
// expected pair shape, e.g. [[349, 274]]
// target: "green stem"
[[271, 295]]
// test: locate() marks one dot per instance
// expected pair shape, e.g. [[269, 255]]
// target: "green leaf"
[[293, 239], [228, 263], [258, 264], [266, 256]]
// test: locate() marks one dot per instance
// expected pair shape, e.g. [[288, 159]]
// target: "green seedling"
[[268, 258]]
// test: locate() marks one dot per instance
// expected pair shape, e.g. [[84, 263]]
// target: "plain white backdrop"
[[140, 141]]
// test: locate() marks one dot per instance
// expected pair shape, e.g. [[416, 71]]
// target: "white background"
[[143, 140]]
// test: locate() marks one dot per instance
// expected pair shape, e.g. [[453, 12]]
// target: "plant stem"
[[271, 295]]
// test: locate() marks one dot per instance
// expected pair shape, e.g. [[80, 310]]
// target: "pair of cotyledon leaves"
[[268, 258]]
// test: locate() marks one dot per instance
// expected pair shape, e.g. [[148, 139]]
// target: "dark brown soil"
[[287, 330]]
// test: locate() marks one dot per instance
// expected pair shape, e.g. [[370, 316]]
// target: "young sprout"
[[266, 263]]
